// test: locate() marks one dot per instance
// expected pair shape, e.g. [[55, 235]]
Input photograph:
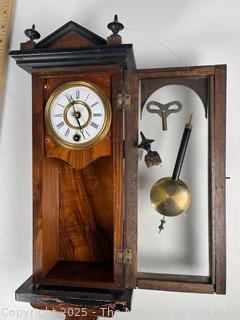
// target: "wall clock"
[[89, 102]]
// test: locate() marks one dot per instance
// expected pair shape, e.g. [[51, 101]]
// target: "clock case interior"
[[85, 202], [79, 224]]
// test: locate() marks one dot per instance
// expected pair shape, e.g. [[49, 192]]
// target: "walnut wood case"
[[85, 202]]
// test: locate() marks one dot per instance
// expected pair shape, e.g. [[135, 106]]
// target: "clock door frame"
[[210, 84]]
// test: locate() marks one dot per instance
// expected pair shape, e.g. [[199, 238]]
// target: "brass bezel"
[[107, 121]]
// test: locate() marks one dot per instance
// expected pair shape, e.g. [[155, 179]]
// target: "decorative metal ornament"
[[170, 196], [152, 158], [161, 227], [163, 110]]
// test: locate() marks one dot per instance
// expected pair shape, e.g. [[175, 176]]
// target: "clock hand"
[[81, 129], [77, 115]]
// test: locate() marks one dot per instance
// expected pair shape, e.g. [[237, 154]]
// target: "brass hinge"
[[125, 256], [123, 101]]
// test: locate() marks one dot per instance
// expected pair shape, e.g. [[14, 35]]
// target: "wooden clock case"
[[85, 202], [77, 195]]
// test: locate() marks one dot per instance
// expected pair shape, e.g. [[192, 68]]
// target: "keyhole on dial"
[[76, 137]]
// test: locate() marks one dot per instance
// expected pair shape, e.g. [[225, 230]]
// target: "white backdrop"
[[164, 33]]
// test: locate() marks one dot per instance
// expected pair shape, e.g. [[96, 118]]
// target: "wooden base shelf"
[[80, 273], [91, 302]]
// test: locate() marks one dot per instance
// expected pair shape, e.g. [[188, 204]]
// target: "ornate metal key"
[[163, 110]]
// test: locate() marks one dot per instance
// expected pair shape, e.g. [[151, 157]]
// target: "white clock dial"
[[78, 114]]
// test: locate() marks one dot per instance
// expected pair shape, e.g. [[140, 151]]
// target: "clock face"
[[78, 115]]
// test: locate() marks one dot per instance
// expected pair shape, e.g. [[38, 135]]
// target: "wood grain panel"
[[118, 179], [50, 212], [195, 71], [80, 237], [211, 217], [37, 153], [175, 282], [45, 194], [78, 71], [176, 286], [131, 179], [71, 40], [78, 159], [80, 273], [219, 174], [98, 179]]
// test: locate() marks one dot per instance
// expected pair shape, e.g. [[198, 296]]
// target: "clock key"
[[163, 110]]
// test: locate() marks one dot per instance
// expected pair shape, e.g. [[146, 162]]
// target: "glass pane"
[[182, 247]]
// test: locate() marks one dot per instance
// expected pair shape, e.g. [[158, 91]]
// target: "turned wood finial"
[[115, 26], [32, 34]]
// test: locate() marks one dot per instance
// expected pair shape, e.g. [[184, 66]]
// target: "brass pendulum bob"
[[170, 196]]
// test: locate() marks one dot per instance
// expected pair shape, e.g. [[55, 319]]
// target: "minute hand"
[[79, 124]]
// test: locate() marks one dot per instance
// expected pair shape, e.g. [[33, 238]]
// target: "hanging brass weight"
[[170, 196]]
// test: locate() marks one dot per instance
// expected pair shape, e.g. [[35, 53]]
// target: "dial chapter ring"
[[106, 122]]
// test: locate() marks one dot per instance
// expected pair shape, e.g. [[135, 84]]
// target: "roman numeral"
[[93, 105], [58, 115], [97, 114], [87, 97], [77, 94], [61, 105], [67, 132], [60, 124], [87, 133], [94, 125], [69, 97]]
